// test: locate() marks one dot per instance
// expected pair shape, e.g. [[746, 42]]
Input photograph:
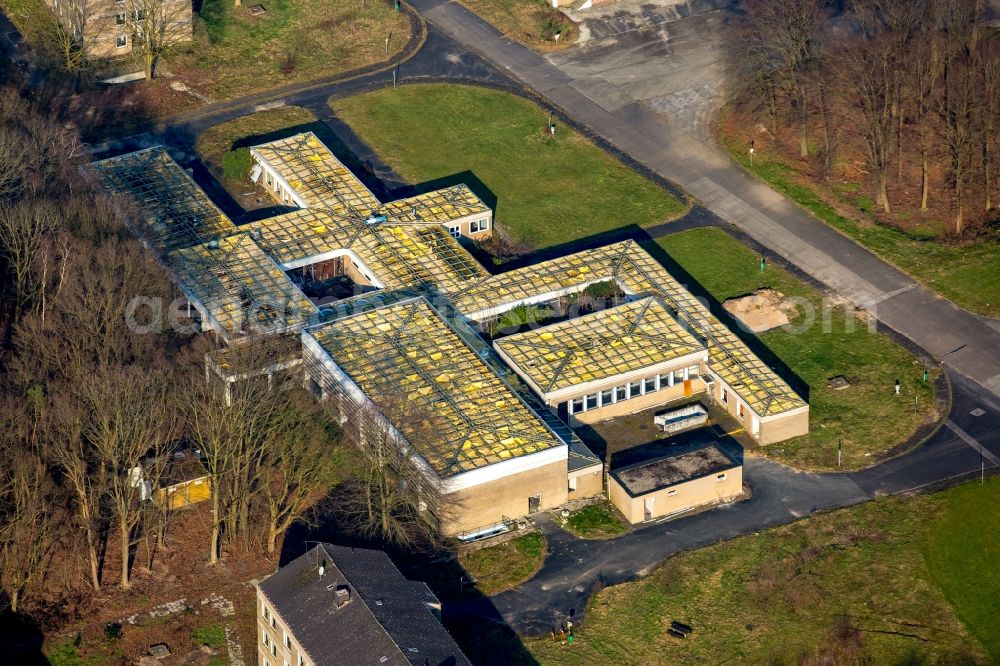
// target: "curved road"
[[618, 86]]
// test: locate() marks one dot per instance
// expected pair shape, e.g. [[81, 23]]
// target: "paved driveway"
[[665, 54]]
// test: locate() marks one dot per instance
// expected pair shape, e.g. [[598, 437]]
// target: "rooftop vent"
[[342, 595], [375, 219]]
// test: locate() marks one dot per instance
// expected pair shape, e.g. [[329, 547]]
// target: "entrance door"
[[534, 504], [647, 506]]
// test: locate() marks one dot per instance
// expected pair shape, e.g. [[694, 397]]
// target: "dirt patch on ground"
[[762, 310]]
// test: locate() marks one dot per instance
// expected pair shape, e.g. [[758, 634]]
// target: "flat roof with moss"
[[243, 287], [442, 397], [598, 346], [685, 465]]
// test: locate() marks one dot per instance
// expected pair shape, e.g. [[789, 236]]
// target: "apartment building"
[[111, 28]]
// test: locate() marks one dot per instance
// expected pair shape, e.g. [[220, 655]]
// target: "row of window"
[[474, 227], [630, 390], [120, 17], [271, 646]]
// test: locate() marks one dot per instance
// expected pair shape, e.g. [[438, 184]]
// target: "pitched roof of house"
[[388, 619]]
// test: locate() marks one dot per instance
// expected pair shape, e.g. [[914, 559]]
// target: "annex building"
[[389, 311]]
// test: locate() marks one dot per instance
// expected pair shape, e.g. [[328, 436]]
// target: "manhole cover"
[[977, 411]]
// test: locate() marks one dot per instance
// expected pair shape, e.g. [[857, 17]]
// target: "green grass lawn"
[[967, 274], [867, 417], [847, 587], [597, 521], [962, 553], [219, 139], [548, 189], [500, 567]]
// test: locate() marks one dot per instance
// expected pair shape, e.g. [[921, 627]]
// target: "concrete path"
[[963, 340]]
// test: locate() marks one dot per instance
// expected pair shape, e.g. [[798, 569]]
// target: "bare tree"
[[300, 464], [395, 496], [128, 425], [867, 67], [23, 228], [157, 25], [82, 474], [28, 508]]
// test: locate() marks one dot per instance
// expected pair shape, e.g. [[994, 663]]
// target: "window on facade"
[[479, 225], [119, 19], [287, 641], [272, 622], [693, 370], [263, 611], [140, 14], [619, 393], [725, 397], [577, 405], [634, 389], [592, 401], [650, 384], [266, 639], [121, 41], [302, 660], [572, 484], [455, 231], [606, 397], [268, 179], [274, 649], [721, 477], [739, 409]]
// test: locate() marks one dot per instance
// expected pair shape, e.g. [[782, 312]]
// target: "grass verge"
[[534, 23], [219, 139], [967, 274], [961, 554], [597, 521], [544, 189], [506, 565], [846, 587], [867, 418]]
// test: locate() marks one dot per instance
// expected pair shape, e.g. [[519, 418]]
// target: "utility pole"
[[840, 447]]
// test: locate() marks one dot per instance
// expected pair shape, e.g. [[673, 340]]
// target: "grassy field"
[[501, 567], [967, 274], [234, 54], [847, 587], [597, 521], [962, 553], [534, 23], [546, 189], [296, 40], [217, 140], [867, 417]]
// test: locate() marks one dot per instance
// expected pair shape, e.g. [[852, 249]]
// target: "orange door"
[[687, 387]]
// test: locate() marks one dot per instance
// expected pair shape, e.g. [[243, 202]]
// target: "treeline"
[[92, 409], [910, 85]]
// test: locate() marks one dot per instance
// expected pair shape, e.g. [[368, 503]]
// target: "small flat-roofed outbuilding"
[[686, 479]]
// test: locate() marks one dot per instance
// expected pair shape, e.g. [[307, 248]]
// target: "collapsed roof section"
[[430, 384], [176, 213], [599, 346], [240, 287]]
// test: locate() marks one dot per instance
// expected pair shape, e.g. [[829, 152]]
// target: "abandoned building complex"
[[337, 605], [110, 28], [388, 307]]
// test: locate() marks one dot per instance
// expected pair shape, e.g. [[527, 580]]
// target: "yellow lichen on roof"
[[240, 287], [319, 178], [444, 399], [173, 211], [639, 274], [599, 346], [437, 207]]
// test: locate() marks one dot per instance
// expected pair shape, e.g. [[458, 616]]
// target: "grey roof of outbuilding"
[[386, 622]]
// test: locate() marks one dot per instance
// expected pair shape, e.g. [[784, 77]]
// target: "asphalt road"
[[656, 116]]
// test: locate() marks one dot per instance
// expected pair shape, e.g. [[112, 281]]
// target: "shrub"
[[236, 164]]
